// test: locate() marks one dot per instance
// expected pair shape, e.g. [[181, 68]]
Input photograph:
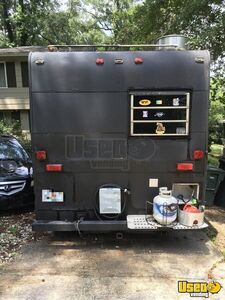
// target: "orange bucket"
[[190, 208]]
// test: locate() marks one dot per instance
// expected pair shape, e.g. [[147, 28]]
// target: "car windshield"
[[12, 150]]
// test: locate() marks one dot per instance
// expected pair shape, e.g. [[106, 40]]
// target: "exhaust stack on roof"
[[180, 41]]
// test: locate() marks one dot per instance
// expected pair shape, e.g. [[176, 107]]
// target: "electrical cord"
[[77, 227], [116, 216]]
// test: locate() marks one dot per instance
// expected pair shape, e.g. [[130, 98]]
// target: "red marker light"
[[41, 155], [99, 61], [185, 167], [198, 154], [54, 168], [138, 60]]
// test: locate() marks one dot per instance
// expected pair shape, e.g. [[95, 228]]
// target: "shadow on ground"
[[185, 243], [99, 266]]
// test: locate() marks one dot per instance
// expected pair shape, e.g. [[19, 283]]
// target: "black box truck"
[[118, 137]]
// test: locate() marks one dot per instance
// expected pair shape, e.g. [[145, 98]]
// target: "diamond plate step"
[[147, 222]]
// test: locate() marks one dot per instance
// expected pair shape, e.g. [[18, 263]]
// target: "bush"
[[216, 115], [14, 129], [216, 110]]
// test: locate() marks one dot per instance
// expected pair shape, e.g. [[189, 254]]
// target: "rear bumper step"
[[146, 222], [90, 226], [133, 222]]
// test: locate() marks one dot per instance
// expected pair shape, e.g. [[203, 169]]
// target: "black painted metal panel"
[[80, 114], [77, 71]]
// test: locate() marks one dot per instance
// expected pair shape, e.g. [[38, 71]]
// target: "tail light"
[[138, 60], [54, 167], [99, 61], [41, 155], [185, 166], [198, 154]]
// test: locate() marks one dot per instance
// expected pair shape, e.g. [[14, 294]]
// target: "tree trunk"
[[6, 21], [24, 36]]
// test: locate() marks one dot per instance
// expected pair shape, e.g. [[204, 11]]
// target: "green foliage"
[[213, 161], [216, 151], [32, 22], [217, 109], [8, 128], [115, 18], [202, 21], [28, 22], [13, 229], [14, 129], [76, 30], [21, 20], [216, 115]]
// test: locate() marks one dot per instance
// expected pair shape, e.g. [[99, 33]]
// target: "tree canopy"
[[21, 20], [29, 22]]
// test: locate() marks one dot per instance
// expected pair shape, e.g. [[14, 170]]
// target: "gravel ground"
[[15, 231], [216, 217]]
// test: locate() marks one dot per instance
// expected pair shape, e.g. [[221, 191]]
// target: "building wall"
[[25, 124], [16, 98]]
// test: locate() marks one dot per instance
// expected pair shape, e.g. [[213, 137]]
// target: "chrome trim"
[[8, 188]]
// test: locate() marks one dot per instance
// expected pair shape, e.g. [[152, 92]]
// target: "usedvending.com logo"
[[105, 153], [199, 289]]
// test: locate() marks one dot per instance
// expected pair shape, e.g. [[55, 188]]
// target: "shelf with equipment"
[[159, 113]]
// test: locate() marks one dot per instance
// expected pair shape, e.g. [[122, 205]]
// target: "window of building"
[[11, 74], [7, 74], [15, 115], [24, 73], [10, 116], [3, 78], [160, 114]]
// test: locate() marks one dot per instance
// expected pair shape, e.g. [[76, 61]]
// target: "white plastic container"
[[190, 219], [165, 207]]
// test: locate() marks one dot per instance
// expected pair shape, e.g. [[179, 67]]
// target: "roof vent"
[[171, 41]]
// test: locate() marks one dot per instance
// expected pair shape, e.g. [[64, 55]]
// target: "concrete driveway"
[[101, 267]]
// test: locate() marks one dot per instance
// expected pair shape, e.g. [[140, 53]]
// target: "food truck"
[[119, 136]]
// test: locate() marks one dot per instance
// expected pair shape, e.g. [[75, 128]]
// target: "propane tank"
[[165, 207]]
